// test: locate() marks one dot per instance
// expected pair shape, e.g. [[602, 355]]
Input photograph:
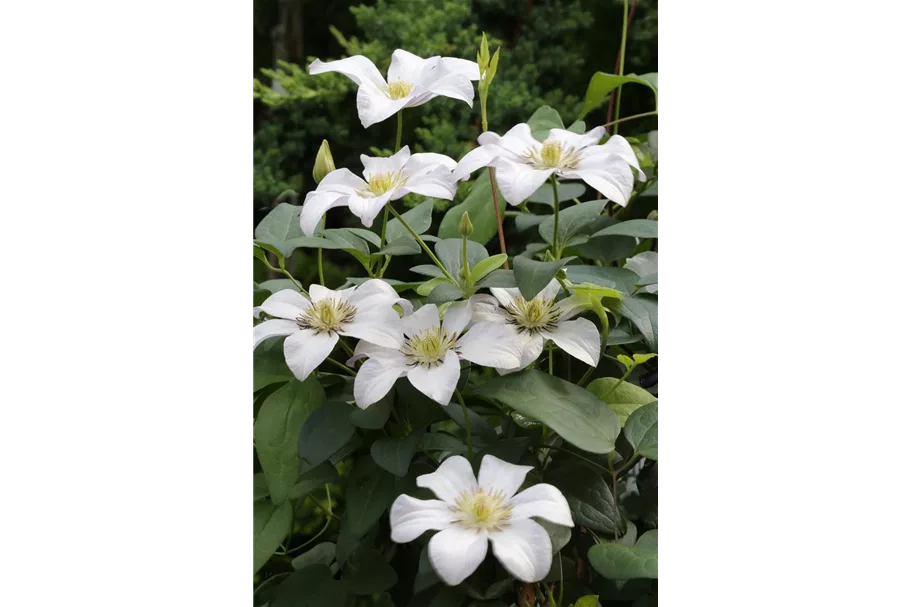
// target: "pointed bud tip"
[[465, 227], [324, 163]]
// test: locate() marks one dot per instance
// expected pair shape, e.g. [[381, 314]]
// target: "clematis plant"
[[371, 485]]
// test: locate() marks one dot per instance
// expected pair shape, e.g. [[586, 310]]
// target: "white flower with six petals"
[[412, 81], [523, 163], [470, 512], [387, 179]]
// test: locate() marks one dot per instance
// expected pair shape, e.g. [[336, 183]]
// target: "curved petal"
[[464, 67], [517, 140], [373, 105], [575, 140], [271, 328], [550, 291], [447, 482], [497, 475], [456, 552], [410, 517], [426, 317], [315, 206], [457, 316], [306, 349], [405, 66], [609, 174], [374, 165], [341, 181], [372, 292], [376, 377], [287, 303], [319, 293], [505, 296], [481, 156], [437, 382], [543, 501], [368, 208], [524, 549], [381, 326], [578, 338], [438, 184], [621, 147], [490, 345], [531, 349], [518, 180], [427, 162], [452, 85], [357, 67]]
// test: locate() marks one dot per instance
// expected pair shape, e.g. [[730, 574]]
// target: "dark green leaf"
[[373, 417], [507, 449], [312, 586], [504, 279], [640, 228], [269, 366], [276, 429], [370, 491], [642, 430], [616, 278], [589, 497], [321, 554], [617, 562], [444, 292], [313, 479], [479, 206], [573, 220], [439, 441], [271, 524], [527, 220], [544, 119], [601, 84], [419, 218], [280, 230], [367, 572], [426, 576], [565, 191], [448, 596], [642, 310], [324, 432], [260, 489], [559, 534], [401, 246], [623, 399], [394, 454], [426, 270], [571, 411], [532, 276], [479, 425]]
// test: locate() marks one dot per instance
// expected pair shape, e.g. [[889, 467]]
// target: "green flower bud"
[[465, 227], [483, 54], [324, 163], [653, 215]]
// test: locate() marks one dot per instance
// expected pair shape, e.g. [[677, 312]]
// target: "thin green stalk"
[[588, 373], [550, 359], [585, 459], [319, 254], [465, 268], [398, 132], [346, 348], [622, 61], [616, 385], [467, 421], [553, 182], [633, 117], [321, 531], [281, 268], [560, 597], [423, 244], [340, 366]]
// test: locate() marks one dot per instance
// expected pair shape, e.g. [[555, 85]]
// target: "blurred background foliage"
[[550, 49]]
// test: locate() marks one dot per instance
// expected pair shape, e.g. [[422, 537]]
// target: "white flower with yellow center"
[[523, 163], [430, 355], [385, 179], [542, 318], [470, 512], [313, 325], [412, 81]]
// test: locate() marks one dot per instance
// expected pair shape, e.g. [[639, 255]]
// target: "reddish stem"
[[496, 208]]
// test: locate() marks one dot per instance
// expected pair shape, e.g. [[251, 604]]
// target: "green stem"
[[346, 348], [467, 421], [550, 359], [553, 182], [465, 269], [617, 385], [398, 132], [423, 244], [281, 268], [560, 597], [626, 466], [321, 531], [585, 459], [340, 366], [633, 117], [319, 254], [622, 61], [586, 376]]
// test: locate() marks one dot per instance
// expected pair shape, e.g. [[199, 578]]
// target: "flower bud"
[[324, 163], [653, 215], [465, 227]]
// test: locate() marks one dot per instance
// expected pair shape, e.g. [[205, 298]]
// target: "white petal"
[[481, 156], [319, 293], [490, 345], [426, 317], [449, 480], [497, 475], [358, 68], [579, 338], [425, 163], [376, 377], [374, 106], [457, 316], [609, 174], [381, 326], [376, 165], [466, 68], [368, 208], [505, 296], [438, 184], [286, 303], [341, 181], [550, 291], [518, 180], [365, 349], [621, 147], [452, 85], [437, 382], [410, 517], [574, 140], [524, 549], [271, 328], [456, 552], [306, 349], [543, 501], [531, 350], [518, 140], [315, 206], [405, 66], [372, 292]]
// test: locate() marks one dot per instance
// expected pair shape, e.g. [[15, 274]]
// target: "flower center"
[[482, 509], [429, 347], [327, 315], [533, 316], [399, 89], [383, 182], [553, 155]]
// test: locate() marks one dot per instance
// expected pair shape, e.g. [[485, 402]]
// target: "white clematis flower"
[[534, 322], [470, 512], [387, 179], [412, 81], [523, 163], [431, 353], [313, 325]]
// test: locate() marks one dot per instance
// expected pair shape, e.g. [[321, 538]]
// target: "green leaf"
[[445, 292], [311, 586], [577, 127], [617, 562], [605, 249], [448, 596], [426, 576], [427, 288], [487, 266], [426, 270], [349, 242], [313, 479], [280, 230], [260, 489], [648, 540], [642, 311], [269, 366], [450, 253], [371, 237], [559, 534], [532, 276], [507, 449], [367, 572], [616, 278], [479, 206], [642, 430], [402, 246], [277, 284], [589, 600], [370, 491], [276, 429], [527, 220], [324, 432], [321, 554], [419, 218], [505, 279], [601, 84], [640, 228], [373, 417], [573, 220], [394, 454], [271, 524], [565, 191], [571, 411], [589, 498], [544, 119], [440, 441], [623, 398]]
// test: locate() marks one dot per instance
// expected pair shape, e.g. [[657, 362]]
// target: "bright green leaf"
[[623, 398], [616, 278], [601, 84], [486, 266], [617, 562], [450, 253]]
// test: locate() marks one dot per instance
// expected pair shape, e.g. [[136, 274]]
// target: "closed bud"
[[324, 163], [653, 215], [492, 69], [465, 227], [484, 54]]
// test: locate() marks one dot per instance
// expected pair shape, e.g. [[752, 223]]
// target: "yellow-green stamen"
[[553, 155], [429, 347], [399, 89], [482, 509], [533, 316], [326, 315], [383, 182]]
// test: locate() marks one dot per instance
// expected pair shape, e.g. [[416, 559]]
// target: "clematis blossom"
[[385, 180], [430, 355], [313, 325], [470, 512], [523, 163], [410, 81]]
